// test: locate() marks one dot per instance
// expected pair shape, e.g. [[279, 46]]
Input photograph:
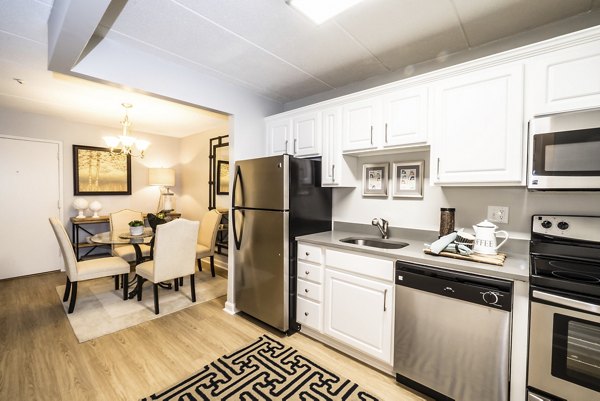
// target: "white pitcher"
[[485, 238]]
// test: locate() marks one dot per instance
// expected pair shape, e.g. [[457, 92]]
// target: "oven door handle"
[[571, 303]]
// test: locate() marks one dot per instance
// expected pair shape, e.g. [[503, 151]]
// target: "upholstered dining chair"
[[174, 257], [119, 222], [207, 237], [87, 269]]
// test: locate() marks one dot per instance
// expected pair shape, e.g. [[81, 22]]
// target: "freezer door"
[[261, 255], [262, 183]]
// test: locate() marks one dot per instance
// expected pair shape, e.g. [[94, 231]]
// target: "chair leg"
[[67, 290], [125, 286], [212, 265], [181, 281], [73, 297], [138, 289], [116, 282], [193, 287], [176, 282], [199, 265], [156, 298]]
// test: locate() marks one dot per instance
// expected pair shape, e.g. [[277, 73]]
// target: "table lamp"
[[165, 178]]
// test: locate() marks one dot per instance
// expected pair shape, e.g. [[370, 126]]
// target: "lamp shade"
[[161, 176]]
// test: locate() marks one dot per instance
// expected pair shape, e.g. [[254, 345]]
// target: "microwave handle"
[[571, 303]]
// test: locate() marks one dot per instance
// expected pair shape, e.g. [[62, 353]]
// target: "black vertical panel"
[[310, 212]]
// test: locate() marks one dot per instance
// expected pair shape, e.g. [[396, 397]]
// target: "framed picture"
[[222, 177], [407, 179], [97, 171], [375, 179]]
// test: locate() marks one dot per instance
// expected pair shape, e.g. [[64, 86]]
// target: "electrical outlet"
[[498, 214]]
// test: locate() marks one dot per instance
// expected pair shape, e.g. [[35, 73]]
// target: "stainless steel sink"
[[374, 242]]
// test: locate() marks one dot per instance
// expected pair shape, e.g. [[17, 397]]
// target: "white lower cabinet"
[[348, 301], [358, 312]]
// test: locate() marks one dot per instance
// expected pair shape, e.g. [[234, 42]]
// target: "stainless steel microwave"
[[564, 152]]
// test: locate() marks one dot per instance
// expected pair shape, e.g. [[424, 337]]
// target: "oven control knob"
[[490, 297], [546, 224], [563, 225]]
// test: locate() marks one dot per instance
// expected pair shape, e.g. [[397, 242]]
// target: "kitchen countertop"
[[516, 265]]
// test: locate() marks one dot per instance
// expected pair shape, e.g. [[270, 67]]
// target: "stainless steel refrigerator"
[[274, 200]]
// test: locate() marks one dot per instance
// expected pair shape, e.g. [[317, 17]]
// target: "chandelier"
[[124, 143]]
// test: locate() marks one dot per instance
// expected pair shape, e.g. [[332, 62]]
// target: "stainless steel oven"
[[563, 151], [564, 330]]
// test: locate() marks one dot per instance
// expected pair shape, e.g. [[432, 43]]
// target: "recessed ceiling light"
[[321, 10]]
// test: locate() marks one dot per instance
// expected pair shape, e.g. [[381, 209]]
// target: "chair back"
[[209, 228], [175, 249], [119, 221], [66, 248]]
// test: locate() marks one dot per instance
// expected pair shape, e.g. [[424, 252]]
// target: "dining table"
[[125, 238]]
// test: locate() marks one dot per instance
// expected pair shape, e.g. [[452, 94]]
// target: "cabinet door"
[[278, 137], [358, 312], [361, 119], [478, 128], [566, 79], [336, 170], [306, 132], [405, 117]]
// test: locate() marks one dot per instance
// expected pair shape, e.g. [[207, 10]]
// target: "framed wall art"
[[98, 171], [222, 177], [375, 179], [407, 179]]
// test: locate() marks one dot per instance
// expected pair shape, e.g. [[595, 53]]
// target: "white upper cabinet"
[[278, 136], [297, 135], [337, 170], [360, 120], [390, 120], [478, 133], [405, 117], [566, 79], [306, 134]]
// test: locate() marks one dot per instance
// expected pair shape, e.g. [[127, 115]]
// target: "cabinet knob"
[[306, 290], [307, 272], [307, 253], [305, 313]]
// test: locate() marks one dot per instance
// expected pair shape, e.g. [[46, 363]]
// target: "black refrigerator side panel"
[[310, 212], [310, 204]]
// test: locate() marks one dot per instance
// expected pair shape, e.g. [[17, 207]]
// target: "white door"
[[278, 137], [405, 116], [30, 181], [358, 312], [306, 130], [478, 128], [361, 122]]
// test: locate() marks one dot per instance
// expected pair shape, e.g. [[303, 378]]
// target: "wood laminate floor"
[[40, 358]]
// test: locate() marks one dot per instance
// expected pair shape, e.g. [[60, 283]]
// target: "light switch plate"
[[498, 214]]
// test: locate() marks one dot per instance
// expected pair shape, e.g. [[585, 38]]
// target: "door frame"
[[60, 175]]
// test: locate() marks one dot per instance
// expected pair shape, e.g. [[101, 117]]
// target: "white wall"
[[164, 152], [470, 203]]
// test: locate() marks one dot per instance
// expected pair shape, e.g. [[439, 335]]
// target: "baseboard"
[[230, 308]]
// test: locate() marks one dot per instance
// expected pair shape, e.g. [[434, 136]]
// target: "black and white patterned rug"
[[264, 370]]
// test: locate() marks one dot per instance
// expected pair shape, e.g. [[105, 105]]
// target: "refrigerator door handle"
[[238, 176]]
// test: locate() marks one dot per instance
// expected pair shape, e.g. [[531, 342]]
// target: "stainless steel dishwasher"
[[452, 333]]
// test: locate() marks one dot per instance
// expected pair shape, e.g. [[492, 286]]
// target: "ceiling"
[[263, 45]]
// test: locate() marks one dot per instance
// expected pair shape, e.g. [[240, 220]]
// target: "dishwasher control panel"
[[471, 288]]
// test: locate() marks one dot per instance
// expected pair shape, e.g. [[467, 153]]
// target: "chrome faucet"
[[382, 224]]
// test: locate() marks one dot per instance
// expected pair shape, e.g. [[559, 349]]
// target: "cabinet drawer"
[[310, 272], [359, 263], [309, 253], [309, 314], [309, 290]]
